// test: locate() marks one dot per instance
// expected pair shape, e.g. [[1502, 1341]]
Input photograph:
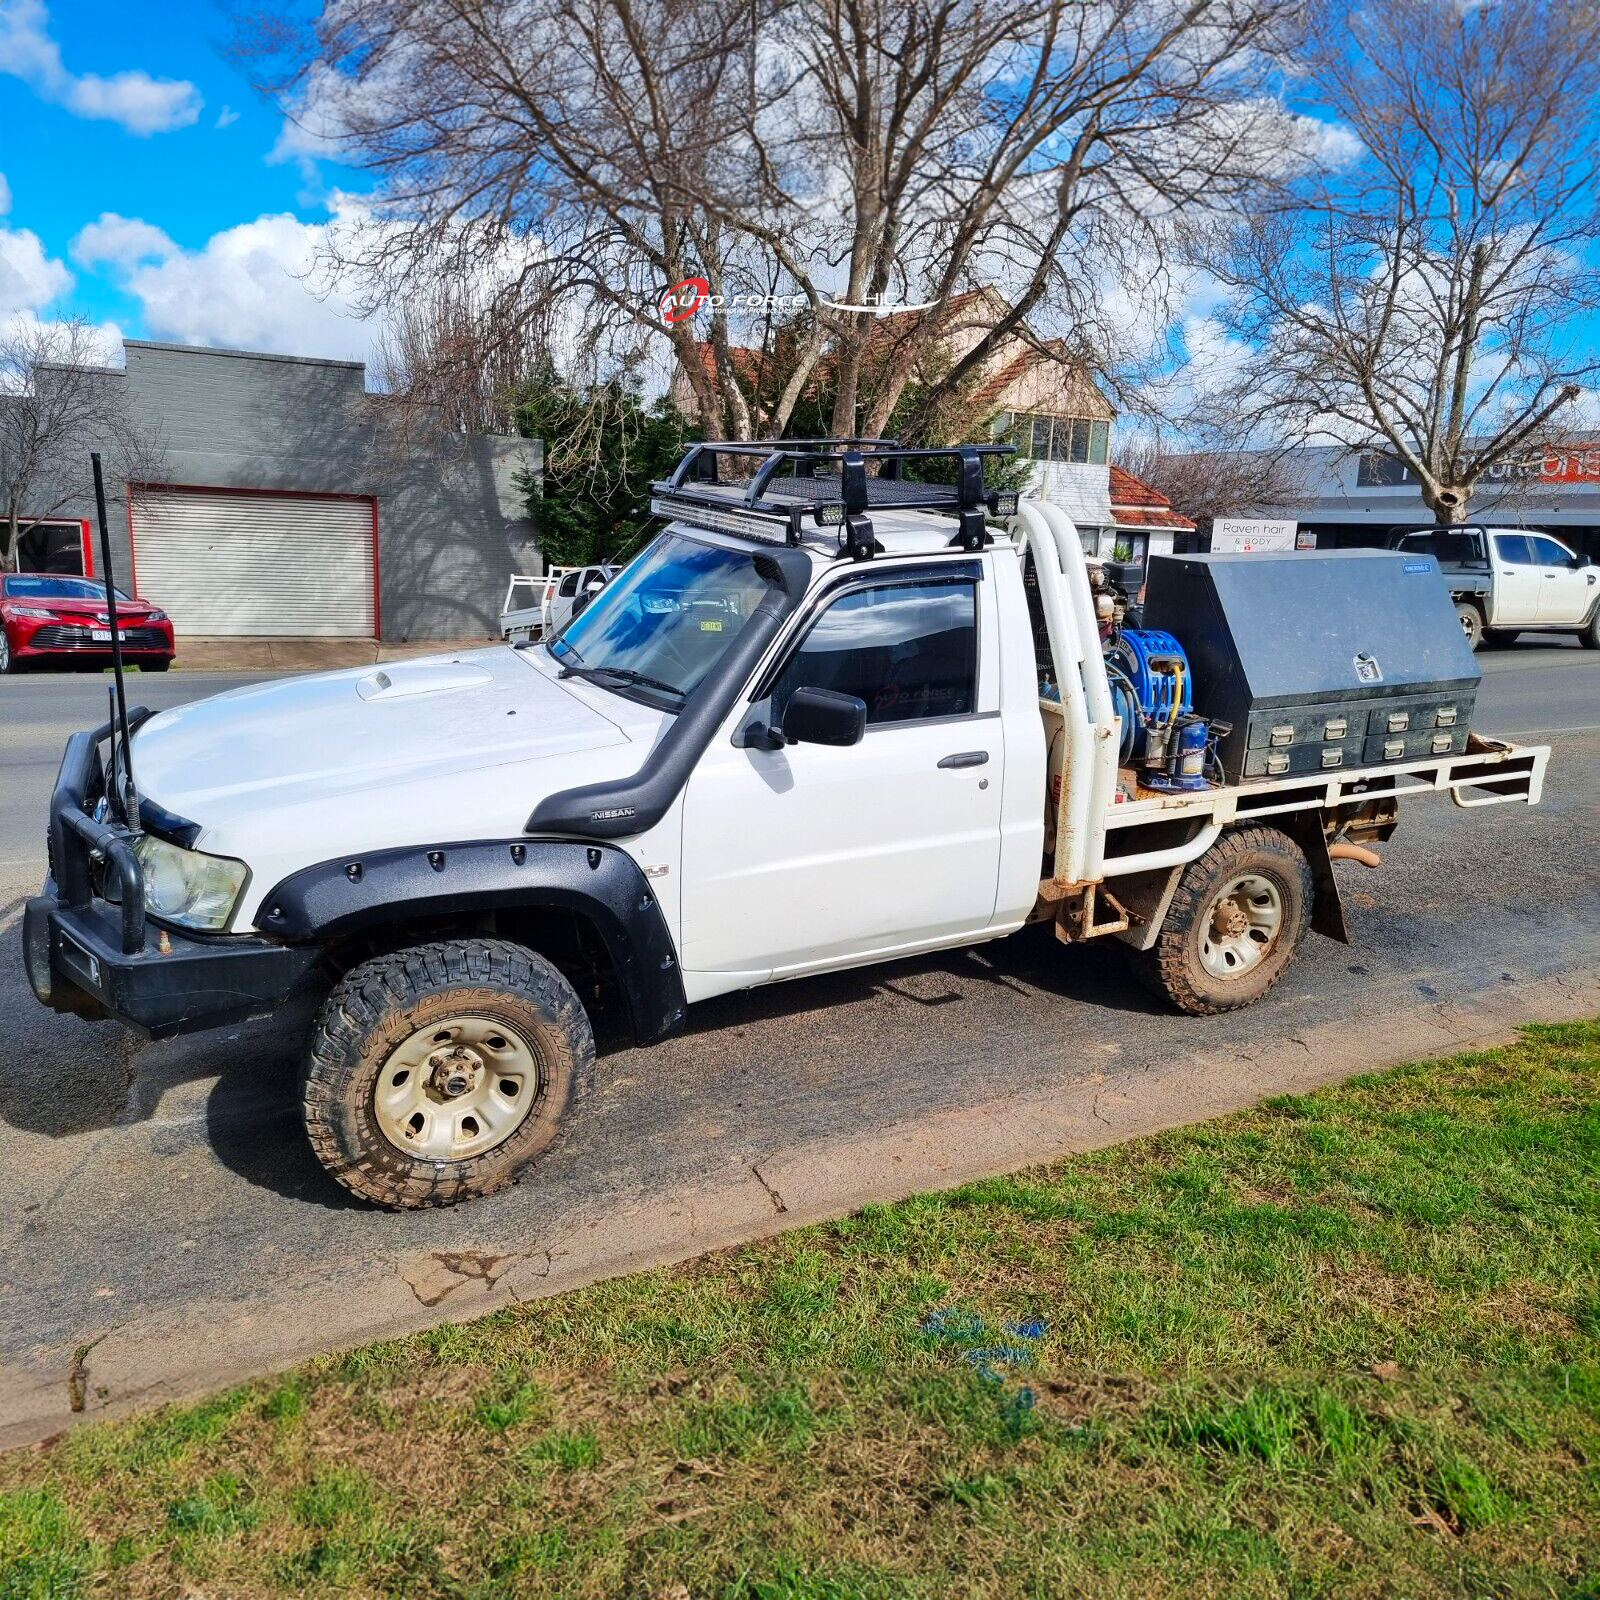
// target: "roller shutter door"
[[256, 564]]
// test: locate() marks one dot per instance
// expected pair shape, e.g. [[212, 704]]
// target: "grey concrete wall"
[[451, 527]]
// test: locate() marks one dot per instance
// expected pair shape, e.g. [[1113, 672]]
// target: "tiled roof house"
[[1047, 403]]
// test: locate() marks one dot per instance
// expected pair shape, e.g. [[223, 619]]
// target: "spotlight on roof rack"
[[1003, 503], [830, 514]]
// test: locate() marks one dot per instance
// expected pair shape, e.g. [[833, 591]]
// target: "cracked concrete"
[[772, 1194]]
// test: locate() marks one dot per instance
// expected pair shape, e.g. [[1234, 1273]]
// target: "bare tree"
[[1430, 297], [1207, 484], [463, 353], [838, 154], [58, 402]]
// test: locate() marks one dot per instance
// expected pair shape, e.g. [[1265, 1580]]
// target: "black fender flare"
[[600, 883]]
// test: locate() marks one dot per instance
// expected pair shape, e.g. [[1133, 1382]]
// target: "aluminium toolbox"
[[1319, 660]]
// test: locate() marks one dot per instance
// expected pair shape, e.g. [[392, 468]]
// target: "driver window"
[[569, 585], [909, 650], [1548, 553]]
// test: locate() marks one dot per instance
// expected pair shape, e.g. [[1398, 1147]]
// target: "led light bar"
[[767, 528]]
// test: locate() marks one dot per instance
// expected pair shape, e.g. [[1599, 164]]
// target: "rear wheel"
[[443, 1071], [1498, 638], [1236, 919], [8, 662], [1471, 620]]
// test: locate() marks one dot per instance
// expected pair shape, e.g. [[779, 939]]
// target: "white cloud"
[[133, 99], [120, 242], [5, 195], [29, 278], [226, 117], [250, 287]]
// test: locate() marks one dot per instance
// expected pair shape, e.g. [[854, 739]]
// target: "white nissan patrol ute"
[[829, 717]]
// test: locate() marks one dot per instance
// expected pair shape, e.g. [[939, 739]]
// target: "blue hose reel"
[[1151, 688]]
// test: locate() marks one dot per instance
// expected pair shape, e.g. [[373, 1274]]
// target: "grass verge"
[[1346, 1344]]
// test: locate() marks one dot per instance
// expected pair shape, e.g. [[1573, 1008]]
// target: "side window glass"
[[1513, 548], [569, 585], [910, 651], [1548, 553]]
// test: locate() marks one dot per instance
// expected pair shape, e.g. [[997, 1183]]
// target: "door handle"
[[966, 758]]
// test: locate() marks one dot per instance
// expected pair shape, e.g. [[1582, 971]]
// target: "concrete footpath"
[[305, 655]]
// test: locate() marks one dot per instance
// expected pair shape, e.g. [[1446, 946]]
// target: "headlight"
[[33, 611], [188, 886], [157, 615]]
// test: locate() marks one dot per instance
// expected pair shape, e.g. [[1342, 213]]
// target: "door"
[[231, 564], [811, 856], [1565, 589], [1516, 581]]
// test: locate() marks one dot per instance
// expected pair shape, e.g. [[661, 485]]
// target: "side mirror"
[[822, 716], [1582, 559], [595, 585]]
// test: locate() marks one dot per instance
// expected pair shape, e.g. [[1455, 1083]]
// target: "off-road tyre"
[[1471, 620], [1173, 966], [1500, 638], [1589, 636], [379, 1006]]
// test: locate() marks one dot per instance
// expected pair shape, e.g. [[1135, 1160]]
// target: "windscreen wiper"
[[627, 675]]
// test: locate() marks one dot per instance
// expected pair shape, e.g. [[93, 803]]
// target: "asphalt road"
[[158, 1203]]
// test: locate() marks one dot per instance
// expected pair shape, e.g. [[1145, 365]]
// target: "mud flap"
[[1327, 912]]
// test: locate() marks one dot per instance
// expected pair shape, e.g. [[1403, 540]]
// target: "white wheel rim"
[[1467, 624], [5, 650], [456, 1088], [1241, 926]]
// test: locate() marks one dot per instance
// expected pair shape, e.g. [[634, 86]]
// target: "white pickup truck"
[[828, 717], [1506, 581], [539, 605]]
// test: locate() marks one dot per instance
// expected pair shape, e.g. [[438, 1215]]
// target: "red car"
[[48, 616]]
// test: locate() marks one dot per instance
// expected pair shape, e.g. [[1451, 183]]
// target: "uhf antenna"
[[128, 795]]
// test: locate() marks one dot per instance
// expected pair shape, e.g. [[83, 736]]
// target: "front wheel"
[[1236, 918], [1471, 620], [441, 1072], [1589, 638], [8, 662]]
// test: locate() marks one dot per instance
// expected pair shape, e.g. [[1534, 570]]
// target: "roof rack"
[[786, 487]]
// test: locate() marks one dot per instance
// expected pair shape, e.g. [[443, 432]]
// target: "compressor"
[[1151, 686]]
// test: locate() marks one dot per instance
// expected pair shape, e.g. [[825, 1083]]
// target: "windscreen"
[[664, 621], [46, 586]]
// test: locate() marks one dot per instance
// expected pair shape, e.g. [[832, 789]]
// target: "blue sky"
[[128, 121]]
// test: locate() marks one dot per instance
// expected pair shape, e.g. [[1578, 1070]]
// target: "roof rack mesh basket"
[[767, 487]]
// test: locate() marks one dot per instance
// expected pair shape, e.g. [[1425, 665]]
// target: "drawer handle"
[[1399, 721], [1333, 758], [1446, 717], [1277, 763], [1282, 735], [1393, 748], [1335, 728], [1442, 743]]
